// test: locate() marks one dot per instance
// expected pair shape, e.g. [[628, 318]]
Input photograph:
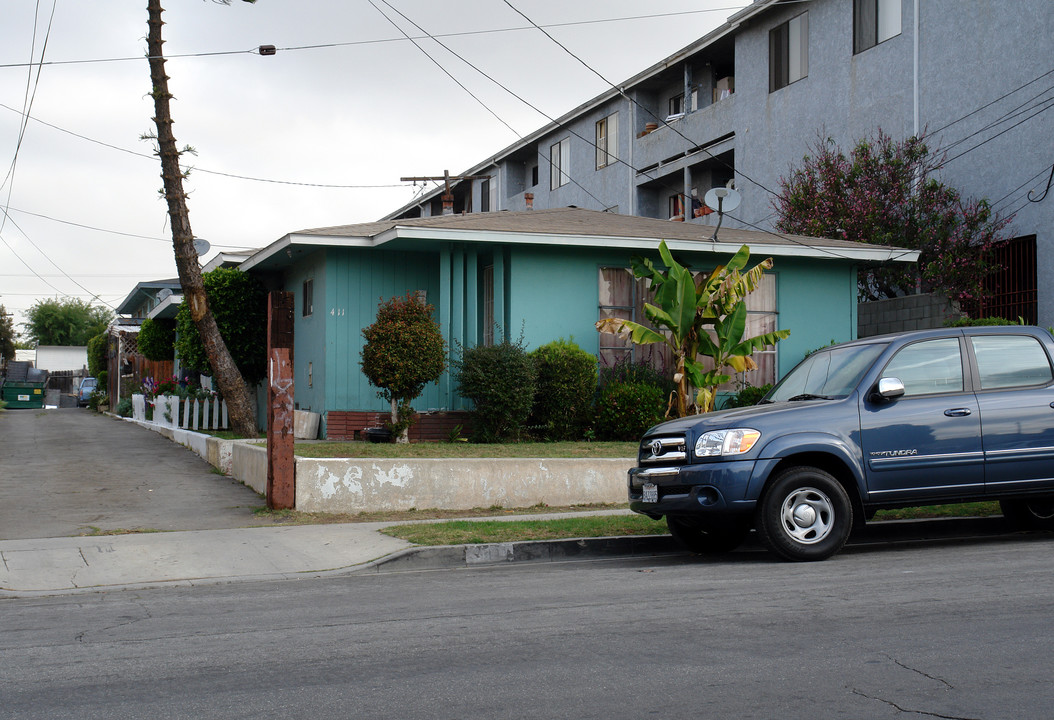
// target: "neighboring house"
[[742, 105], [61, 358], [149, 299], [541, 275]]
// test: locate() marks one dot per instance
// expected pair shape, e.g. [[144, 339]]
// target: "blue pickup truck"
[[934, 416]]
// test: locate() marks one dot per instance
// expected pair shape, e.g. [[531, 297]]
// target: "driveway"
[[70, 471]]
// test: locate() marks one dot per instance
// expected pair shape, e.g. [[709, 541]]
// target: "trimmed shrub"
[[566, 384], [626, 409], [748, 395], [404, 351], [157, 338], [500, 381], [981, 322], [626, 371]]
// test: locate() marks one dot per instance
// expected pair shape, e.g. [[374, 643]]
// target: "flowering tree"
[[404, 351], [884, 193]]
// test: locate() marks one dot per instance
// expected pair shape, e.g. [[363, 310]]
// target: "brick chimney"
[[529, 199], [448, 204]]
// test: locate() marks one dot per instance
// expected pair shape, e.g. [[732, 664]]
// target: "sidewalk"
[[52, 566], [60, 566]]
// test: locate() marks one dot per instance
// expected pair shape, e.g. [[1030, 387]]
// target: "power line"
[[503, 87], [200, 169], [352, 43]]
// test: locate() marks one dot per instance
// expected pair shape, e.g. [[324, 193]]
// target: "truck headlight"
[[726, 442]]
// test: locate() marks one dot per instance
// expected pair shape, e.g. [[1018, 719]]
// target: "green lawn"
[[468, 450]]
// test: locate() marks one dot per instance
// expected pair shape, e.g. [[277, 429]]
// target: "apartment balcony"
[[707, 129]]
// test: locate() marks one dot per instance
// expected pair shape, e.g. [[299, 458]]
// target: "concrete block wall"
[[911, 312]]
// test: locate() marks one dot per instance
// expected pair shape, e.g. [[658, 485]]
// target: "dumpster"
[[24, 386]]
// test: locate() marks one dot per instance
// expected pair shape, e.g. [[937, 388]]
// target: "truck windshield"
[[826, 374]]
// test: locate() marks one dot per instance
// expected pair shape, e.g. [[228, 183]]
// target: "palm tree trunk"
[[229, 381]]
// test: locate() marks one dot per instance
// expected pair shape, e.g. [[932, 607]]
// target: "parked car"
[[936, 416], [88, 386]]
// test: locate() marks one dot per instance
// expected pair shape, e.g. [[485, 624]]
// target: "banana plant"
[[698, 319]]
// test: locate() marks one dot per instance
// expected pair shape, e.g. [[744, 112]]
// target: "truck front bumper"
[[712, 489]]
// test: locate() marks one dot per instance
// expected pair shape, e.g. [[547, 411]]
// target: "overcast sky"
[[362, 107]]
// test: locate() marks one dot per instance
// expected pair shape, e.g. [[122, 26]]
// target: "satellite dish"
[[722, 199], [201, 246]]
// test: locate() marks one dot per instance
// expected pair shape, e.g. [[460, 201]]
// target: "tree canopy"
[[70, 321], [885, 192], [7, 335]]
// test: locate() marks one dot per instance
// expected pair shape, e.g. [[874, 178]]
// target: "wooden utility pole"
[[448, 194], [281, 475]]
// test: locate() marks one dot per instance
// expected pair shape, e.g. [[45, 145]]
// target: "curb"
[[447, 557]]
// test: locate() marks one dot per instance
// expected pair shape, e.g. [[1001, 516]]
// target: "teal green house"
[[539, 274]]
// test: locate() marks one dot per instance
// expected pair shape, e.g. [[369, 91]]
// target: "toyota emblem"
[[656, 447]]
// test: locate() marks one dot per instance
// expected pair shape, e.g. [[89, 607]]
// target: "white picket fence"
[[175, 412]]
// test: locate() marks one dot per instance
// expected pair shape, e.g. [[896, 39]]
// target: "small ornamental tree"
[[884, 193], [566, 384], [404, 351], [239, 304]]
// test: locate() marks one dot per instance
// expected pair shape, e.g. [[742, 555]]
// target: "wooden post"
[[281, 477]]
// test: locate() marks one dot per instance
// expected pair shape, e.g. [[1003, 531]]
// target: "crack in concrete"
[[925, 675], [898, 708]]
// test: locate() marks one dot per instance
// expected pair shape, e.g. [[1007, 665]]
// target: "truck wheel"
[[1035, 514], [715, 539], [805, 514]]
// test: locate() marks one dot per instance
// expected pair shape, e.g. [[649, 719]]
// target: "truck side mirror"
[[888, 389]]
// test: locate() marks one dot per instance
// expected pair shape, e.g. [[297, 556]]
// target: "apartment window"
[[874, 21], [676, 105], [607, 140], [308, 305], [621, 295], [789, 52], [534, 174], [484, 195], [676, 204], [559, 164]]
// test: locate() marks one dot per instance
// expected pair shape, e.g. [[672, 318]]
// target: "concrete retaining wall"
[[353, 485]]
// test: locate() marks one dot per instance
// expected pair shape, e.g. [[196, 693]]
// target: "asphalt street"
[[938, 629]]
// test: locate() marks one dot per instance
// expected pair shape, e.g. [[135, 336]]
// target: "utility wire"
[[564, 171], [352, 43]]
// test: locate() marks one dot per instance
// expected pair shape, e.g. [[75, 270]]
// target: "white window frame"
[[607, 140], [874, 22], [559, 163], [789, 52]]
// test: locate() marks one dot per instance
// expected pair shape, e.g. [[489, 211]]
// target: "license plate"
[[23, 398], [651, 493]]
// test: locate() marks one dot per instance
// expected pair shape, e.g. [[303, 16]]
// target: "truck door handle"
[[957, 412]]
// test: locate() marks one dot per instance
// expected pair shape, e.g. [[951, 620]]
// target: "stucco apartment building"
[[741, 106]]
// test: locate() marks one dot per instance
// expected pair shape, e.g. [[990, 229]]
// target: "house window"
[[534, 174], [559, 164], [607, 140], [484, 195], [308, 305], [789, 52], [621, 295], [488, 305], [874, 21]]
